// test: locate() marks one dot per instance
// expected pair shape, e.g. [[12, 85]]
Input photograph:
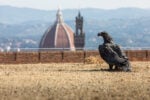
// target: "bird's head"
[[103, 34], [106, 37]]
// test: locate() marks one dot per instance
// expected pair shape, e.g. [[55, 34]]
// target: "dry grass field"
[[73, 82]]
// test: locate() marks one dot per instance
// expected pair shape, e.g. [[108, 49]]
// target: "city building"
[[61, 36], [79, 35]]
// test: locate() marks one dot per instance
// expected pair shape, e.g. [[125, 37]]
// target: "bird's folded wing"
[[113, 56]]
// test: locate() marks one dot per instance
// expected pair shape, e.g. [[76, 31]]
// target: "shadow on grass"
[[100, 70]]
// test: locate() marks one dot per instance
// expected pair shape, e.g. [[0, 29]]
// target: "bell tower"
[[79, 35]]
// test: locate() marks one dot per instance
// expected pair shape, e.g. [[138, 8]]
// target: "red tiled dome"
[[60, 35]]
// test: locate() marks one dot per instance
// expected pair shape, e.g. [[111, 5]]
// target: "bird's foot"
[[127, 69]]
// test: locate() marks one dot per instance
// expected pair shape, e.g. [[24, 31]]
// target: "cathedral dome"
[[60, 35]]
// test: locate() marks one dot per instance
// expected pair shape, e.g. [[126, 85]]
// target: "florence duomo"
[[61, 36]]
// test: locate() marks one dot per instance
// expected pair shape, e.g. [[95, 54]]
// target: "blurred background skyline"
[[125, 20]]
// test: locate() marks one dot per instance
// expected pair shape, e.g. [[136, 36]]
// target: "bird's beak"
[[99, 34]]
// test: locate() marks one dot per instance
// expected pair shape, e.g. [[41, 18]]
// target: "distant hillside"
[[13, 15], [130, 27]]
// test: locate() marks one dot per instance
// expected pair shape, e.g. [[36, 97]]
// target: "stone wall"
[[63, 56]]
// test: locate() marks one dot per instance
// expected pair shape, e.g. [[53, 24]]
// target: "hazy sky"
[[53, 4]]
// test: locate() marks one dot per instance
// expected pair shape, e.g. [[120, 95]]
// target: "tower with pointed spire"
[[79, 35]]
